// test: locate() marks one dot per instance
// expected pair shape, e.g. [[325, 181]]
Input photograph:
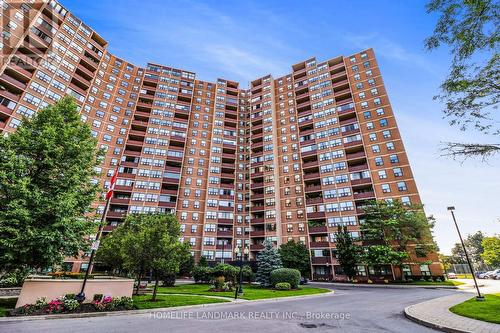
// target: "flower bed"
[[68, 304]]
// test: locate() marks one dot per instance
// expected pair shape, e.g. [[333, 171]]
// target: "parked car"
[[496, 276], [478, 274], [452, 276], [490, 274]]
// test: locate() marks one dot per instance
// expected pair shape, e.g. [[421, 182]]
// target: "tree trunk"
[[155, 288], [403, 277], [138, 283]]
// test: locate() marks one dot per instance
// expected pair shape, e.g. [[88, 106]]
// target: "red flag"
[[112, 185]]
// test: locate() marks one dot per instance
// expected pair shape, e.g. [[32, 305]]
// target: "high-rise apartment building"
[[287, 158]]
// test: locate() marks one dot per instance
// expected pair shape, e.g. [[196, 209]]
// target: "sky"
[[243, 40]]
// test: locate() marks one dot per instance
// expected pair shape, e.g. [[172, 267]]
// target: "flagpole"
[[81, 296]]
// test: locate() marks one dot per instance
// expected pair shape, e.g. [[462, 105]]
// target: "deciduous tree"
[[471, 92], [46, 189], [296, 255], [393, 231]]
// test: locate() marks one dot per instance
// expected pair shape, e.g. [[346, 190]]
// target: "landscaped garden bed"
[[250, 291], [100, 303]]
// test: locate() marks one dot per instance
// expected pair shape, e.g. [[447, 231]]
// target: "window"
[[382, 174], [390, 145], [379, 161], [402, 186], [394, 158], [397, 172], [385, 188], [425, 270], [376, 148]]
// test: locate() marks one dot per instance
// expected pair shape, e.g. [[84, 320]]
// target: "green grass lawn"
[[487, 310], [433, 283], [166, 301], [7, 304], [250, 292]]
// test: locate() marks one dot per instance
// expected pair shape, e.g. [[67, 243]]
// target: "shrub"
[[105, 304], [8, 282], [282, 286], [70, 304], [55, 306], [69, 296], [219, 282], [169, 280], [227, 271], [248, 274], [126, 302], [202, 274], [290, 275], [40, 303], [97, 297]]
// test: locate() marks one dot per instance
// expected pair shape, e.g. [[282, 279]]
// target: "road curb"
[[383, 286], [436, 314], [429, 324], [146, 311]]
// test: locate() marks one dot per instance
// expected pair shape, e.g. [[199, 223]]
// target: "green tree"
[[109, 253], [474, 246], [348, 252], [150, 242], [446, 261], [186, 266], [203, 262], [458, 254], [491, 254], [471, 92], [295, 255], [267, 260], [392, 231], [46, 169]]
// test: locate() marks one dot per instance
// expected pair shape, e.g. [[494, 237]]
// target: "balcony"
[[256, 185], [5, 110], [313, 188], [314, 175], [357, 155], [225, 221], [316, 215], [364, 195], [10, 80], [224, 233], [319, 244], [361, 181], [321, 260], [115, 214], [312, 201], [318, 230], [257, 220], [167, 204], [353, 143], [360, 167], [120, 201], [257, 208], [256, 247], [257, 233], [257, 196]]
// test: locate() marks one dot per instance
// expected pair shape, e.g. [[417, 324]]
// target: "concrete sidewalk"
[[435, 313]]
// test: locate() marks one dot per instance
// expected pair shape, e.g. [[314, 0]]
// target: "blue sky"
[[243, 40]]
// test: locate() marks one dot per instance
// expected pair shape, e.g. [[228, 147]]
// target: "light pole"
[[479, 296], [237, 251]]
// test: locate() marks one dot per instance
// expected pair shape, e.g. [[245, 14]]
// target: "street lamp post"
[[479, 296], [241, 255]]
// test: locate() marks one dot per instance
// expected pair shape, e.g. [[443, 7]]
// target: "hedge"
[[290, 275]]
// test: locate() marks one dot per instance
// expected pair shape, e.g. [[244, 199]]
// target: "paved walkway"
[[434, 313]]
